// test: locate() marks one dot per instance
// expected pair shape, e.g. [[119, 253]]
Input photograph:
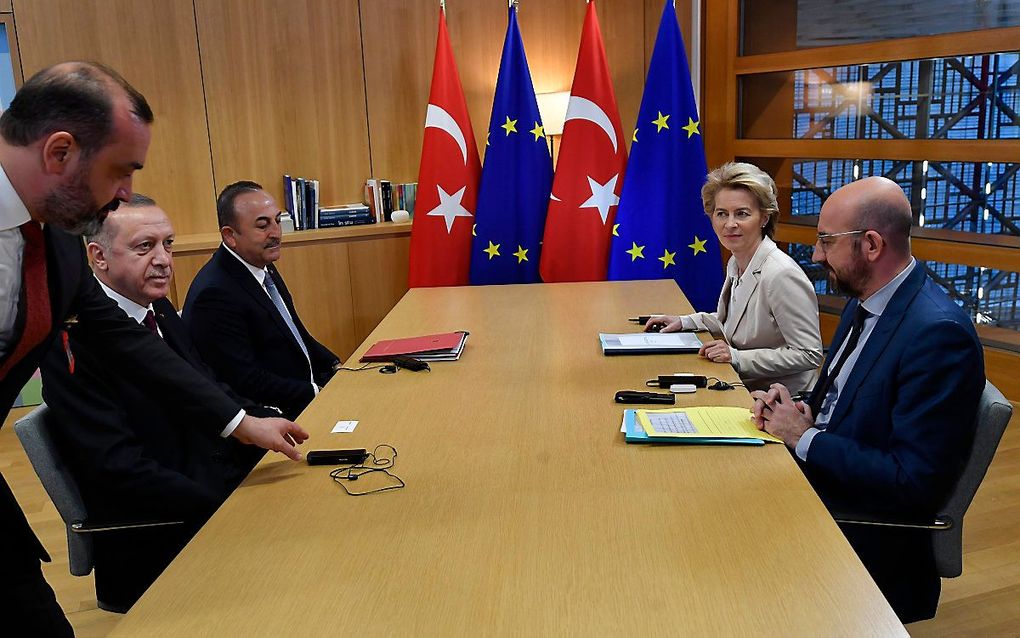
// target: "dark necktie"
[[851, 345], [150, 322], [36, 294]]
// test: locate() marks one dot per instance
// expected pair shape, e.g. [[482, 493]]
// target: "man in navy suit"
[[891, 419], [70, 142], [135, 456], [241, 315]]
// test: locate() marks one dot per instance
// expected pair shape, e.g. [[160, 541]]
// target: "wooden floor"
[[983, 601]]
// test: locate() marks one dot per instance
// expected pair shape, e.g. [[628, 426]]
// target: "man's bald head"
[[864, 235], [77, 97], [878, 203]]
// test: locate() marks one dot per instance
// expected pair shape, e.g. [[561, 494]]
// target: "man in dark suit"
[[125, 445], [241, 316], [890, 422], [70, 140]]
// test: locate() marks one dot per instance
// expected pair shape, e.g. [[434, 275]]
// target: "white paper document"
[[344, 426], [649, 343]]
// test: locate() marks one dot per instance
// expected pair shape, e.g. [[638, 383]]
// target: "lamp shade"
[[553, 108]]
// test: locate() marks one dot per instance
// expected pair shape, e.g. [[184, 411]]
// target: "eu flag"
[[661, 228], [516, 177]]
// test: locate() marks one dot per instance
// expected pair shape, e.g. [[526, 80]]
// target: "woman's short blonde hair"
[[750, 178]]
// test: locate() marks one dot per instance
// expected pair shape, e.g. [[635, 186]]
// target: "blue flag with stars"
[[661, 228], [516, 177]]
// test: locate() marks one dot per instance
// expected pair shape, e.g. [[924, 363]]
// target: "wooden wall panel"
[[720, 97], [398, 77], [325, 305], [186, 267], [397, 82], [1000, 369], [378, 279], [285, 93], [153, 44]]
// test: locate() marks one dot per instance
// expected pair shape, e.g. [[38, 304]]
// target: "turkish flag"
[[447, 180], [589, 171]]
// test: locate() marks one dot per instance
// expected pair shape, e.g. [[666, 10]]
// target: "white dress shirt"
[[138, 312], [875, 305], [13, 214], [130, 308], [260, 276]]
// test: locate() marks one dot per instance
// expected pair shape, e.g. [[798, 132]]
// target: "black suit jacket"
[[136, 456], [241, 335], [75, 295]]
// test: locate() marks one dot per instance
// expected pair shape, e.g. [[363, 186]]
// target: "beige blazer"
[[772, 327]]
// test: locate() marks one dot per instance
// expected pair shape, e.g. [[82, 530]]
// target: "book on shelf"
[[387, 199], [346, 215], [301, 200], [383, 197]]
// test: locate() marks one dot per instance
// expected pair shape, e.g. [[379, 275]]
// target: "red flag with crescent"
[[447, 180], [589, 171]]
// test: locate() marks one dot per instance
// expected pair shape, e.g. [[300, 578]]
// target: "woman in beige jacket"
[[766, 324]]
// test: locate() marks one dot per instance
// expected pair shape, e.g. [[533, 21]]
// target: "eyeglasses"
[[824, 239]]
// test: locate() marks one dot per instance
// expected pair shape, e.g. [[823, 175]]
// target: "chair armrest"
[[91, 528], [861, 518]]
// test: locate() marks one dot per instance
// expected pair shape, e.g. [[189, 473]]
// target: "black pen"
[[642, 319]]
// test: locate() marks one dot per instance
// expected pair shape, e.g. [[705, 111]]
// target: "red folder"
[[446, 345]]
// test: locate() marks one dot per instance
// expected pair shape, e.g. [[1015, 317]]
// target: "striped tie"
[[274, 294]]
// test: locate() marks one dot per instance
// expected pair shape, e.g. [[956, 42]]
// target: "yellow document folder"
[[702, 422]]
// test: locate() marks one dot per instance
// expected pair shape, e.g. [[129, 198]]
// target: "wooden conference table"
[[525, 513]]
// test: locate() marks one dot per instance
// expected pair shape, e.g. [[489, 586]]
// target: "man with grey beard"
[[70, 142]]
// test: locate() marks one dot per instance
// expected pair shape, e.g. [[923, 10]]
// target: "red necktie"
[[38, 318], [150, 322]]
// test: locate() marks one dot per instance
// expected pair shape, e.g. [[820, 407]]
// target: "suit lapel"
[[751, 278], [724, 297], [61, 273], [170, 329], [247, 281], [878, 341]]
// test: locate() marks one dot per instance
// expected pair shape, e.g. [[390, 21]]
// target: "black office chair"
[[994, 412], [33, 431]]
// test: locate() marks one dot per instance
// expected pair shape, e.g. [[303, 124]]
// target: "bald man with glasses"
[[890, 420]]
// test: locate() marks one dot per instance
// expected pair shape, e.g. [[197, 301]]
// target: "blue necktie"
[[274, 294]]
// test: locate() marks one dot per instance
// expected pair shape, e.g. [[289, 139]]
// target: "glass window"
[[988, 295], [7, 86], [972, 97], [785, 25], [973, 197]]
